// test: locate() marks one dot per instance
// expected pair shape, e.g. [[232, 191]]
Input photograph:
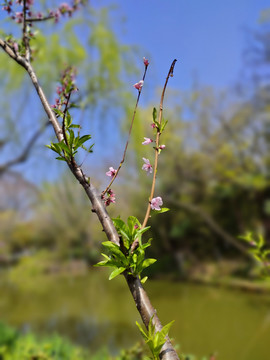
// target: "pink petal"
[[138, 85], [111, 172], [147, 141], [156, 203]]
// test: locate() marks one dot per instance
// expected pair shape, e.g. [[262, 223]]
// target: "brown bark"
[[146, 311]]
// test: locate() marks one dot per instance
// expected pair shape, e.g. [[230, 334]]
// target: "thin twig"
[[26, 151], [37, 19], [170, 74], [72, 160], [129, 133], [64, 118], [25, 37], [12, 53]]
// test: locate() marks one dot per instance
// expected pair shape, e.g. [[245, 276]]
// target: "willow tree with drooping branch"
[[125, 246]]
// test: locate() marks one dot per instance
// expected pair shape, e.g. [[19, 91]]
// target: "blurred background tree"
[[216, 161], [215, 173], [87, 42]]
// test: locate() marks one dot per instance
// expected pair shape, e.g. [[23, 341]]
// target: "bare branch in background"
[[213, 225], [25, 152]]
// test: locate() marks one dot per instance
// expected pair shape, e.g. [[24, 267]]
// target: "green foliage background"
[[17, 346]]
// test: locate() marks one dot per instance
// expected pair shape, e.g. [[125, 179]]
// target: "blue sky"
[[206, 36]]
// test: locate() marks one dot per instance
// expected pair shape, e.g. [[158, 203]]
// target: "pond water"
[[94, 312]]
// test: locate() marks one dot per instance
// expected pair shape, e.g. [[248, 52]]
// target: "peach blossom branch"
[[170, 74], [129, 133]]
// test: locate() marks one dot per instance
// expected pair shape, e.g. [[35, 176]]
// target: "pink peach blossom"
[[19, 17], [147, 166], [138, 85], [156, 203], [110, 198], [111, 172], [147, 141]]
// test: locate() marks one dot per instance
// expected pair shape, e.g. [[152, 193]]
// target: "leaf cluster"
[[155, 339], [123, 258], [258, 250], [68, 147], [160, 127]]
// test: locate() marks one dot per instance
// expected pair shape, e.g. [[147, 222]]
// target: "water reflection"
[[93, 311]]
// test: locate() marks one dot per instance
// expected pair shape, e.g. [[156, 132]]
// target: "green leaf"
[[70, 138], [131, 222], [83, 139], [143, 280], [151, 328], [109, 244], [155, 339], [142, 231], [163, 125], [63, 146], [125, 235], [146, 245], [158, 342], [75, 126], [55, 147], [134, 258], [255, 251], [116, 251], [258, 258], [122, 229], [261, 241], [141, 255], [68, 119], [116, 272], [162, 210], [58, 112], [154, 114], [166, 328], [109, 263], [144, 335], [89, 150], [102, 263], [106, 256], [60, 158], [148, 262], [119, 223]]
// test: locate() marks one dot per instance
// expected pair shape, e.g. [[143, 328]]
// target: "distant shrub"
[[17, 346]]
